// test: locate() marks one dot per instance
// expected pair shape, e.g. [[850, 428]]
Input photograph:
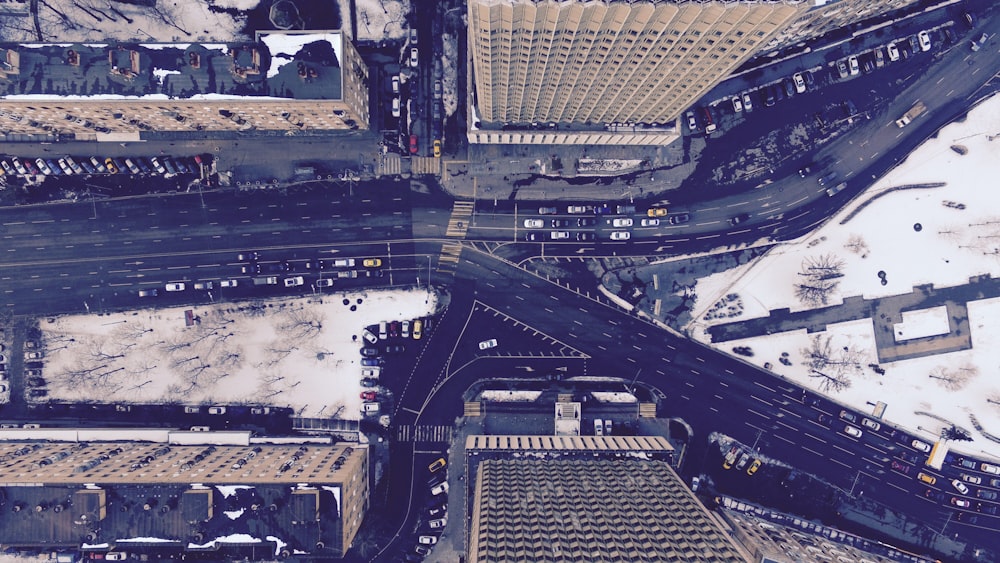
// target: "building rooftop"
[[587, 498], [279, 66]]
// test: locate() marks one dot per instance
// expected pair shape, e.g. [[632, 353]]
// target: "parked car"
[[487, 344], [437, 464], [960, 486], [800, 83], [852, 431], [892, 51], [925, 41], [649, 223], [175, 287], [922, 446], [871, 424], [621, 222], [747, 103], [534, 224], [842, 68], [620, 235], [737, 104], [427, 540], [216, 410], [414, 58], [852, 62]]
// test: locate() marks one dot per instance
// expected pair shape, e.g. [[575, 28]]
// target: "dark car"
[[533, 237], [251, 269], [369, 352], [603, 210], [394, 329], [368, 381], [371, 362], [248, 256], [789, 88], [583, 237], [739, 218], [678, 218], [559, 223], [287, 266], [768, 97], [395, 349], [316, 265], [586, 222], [805, 170], [827, 178], [902, 468]]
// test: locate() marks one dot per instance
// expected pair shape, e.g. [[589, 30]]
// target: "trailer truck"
[[917, 109]]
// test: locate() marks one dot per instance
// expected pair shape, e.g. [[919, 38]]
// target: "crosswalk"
[[461, 213], [424, 433], [448, 259], [391, 164], [473, 408], [425, 165]]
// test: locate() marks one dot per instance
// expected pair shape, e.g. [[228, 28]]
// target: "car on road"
[[586, 222], [827, 178], [534, 224], [547, 211], [175, 287], [892, 51], [414, 57], [649, 223], [487, 344], [620, 235], [436, 145], [739, 219], [395, 107], [849, 416], [584, 237], [922, 446], [414, 147], [747, 103], [960, 486], [437, 464], [978, 43], [925, 41], [216, 410], [852, 431], [372, 263], [559, 235], [974, 479], [842, 68], [248, 256], [679, 218], [294, 282], [800, 83], [901, 467], [805, 170], [656, 212], [871, 424], [561, 223], [737, 104], [149, 292], [754, 467], [852, 62], [621, 222], [960, 502], [575, 209], [315, 264]]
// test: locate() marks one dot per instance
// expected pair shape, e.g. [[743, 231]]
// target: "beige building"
[[587, 498], [288, 83], [146, 497], [828, 16], [606, 71]]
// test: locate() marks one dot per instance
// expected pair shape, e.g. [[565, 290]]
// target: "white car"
[[175, 287], [372, 372], [737, 104], [692, 124], [395, 107], [800, 84], [414, 60], [229, 283], [395, 84], [576, 209], [960, 487], [893, 52], [325, 282], [43, 167], [438, 524], [427, 540], [294, 282], [487, 344], [534, 223], [871, 424], [922, 446], [747, 104], [621, 222], [216, 410], [925, 41], [650, 222], [559, 235], [852, 63], [852, 431], [621, 235], [989, 468], [440, 489]]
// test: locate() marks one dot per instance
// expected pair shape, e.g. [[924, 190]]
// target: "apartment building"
[[606, 71], [285, 82]]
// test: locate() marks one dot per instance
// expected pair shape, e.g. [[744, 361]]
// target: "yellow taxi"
[[437, 148], [418, 329], [372, 262], [656, 212], [929, 479], [110, 165], [754, 467], [438, 464]]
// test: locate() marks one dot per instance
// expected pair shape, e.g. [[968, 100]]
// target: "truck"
[[917, 109], [269, 280]]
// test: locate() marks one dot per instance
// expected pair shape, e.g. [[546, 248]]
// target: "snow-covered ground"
[[378, 19], [958, 238], [297, 352]]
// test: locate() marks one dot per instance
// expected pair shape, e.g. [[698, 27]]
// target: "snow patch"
[[502, 396], [230, 490], [234, 514], [615, 397], [921, 324]]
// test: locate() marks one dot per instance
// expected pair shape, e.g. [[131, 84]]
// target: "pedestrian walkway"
[[424, 433], [461, 213], [391, 164], [425, 165], [449, 257]]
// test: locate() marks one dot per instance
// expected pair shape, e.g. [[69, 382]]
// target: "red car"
[[368, 395], [900, 467], [413, 144]]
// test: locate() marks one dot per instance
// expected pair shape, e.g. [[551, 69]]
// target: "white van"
[[343, 263], [369, 408], [383, 331]]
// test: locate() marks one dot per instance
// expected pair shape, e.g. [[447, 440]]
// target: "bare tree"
[[857, 245], [819, 278], [833, 367], [299, 324], [954, 379]]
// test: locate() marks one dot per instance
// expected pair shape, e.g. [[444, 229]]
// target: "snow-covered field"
[[958, 238], [297, 352]]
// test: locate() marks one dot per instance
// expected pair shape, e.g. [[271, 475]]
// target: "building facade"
[[262, 501], [292, 83], [584, 66]]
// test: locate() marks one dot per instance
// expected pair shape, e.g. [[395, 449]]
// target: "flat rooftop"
[[278, 66]]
